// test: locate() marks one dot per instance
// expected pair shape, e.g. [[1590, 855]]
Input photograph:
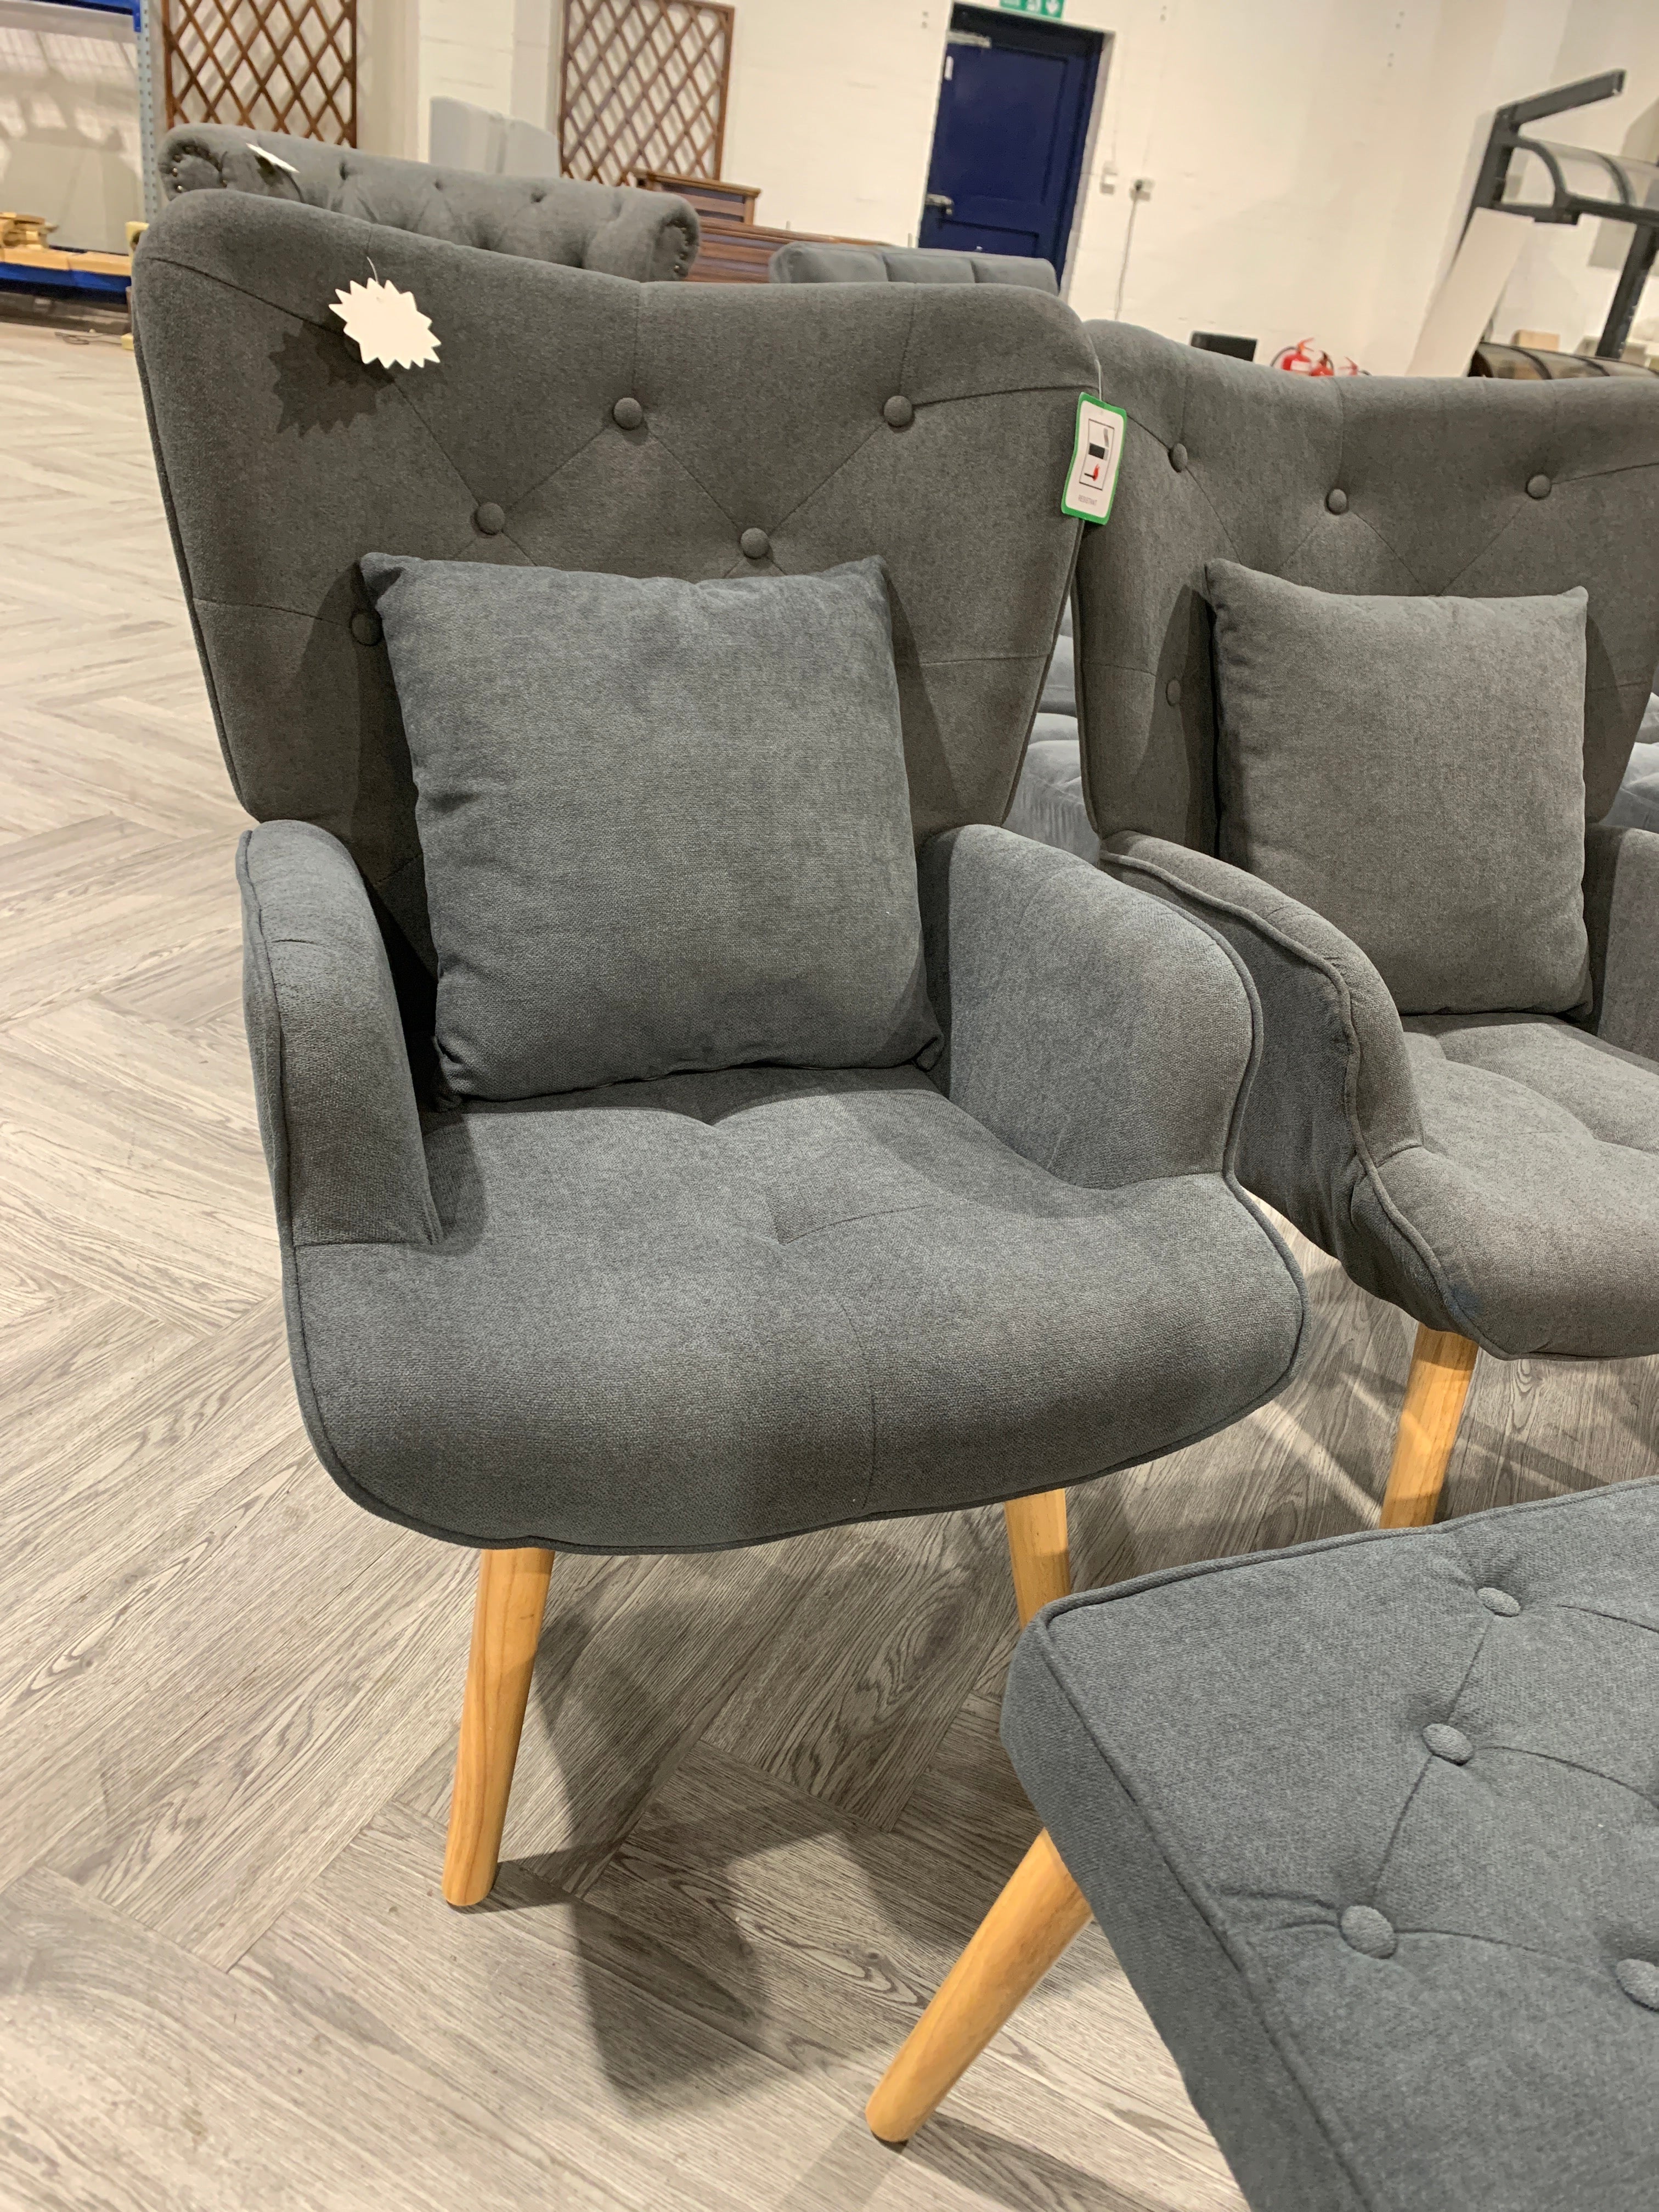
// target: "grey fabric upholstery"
[[1370, 1825], [1501, 1182], [1494, 1175], [331, 1076], [1365, 483], [804, 261], [1412, 769], [753, 408], [722, 1307], [1621, 904], [614, 228], [565, 730]]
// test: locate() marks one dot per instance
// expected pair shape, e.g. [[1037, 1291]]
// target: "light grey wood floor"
[[761, 1802]]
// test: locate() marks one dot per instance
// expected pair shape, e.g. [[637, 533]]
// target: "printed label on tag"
[[1093, 477]]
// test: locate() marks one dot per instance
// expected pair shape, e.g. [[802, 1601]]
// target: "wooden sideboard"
[[735, 249]]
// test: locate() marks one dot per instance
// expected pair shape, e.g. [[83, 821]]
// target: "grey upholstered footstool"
[[1373, 1827]]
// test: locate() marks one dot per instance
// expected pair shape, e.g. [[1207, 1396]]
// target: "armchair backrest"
[[1468, 486], [577, 422], [807, 261], [649, 236]]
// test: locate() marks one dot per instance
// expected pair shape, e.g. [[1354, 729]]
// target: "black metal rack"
[[1634, 196]]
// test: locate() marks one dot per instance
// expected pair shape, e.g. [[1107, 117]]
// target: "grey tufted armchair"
[[613, 228], [716, 1308], [1496, 1175]]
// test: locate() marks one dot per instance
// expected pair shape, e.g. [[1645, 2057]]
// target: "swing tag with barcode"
[[1093, 477]]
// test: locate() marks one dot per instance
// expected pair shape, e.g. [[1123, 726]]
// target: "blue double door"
[[1009, 140]]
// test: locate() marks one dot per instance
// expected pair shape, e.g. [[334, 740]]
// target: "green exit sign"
[[1053, 9]]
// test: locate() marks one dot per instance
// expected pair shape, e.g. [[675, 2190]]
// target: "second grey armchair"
[[1496, 1174], [721, 1307]]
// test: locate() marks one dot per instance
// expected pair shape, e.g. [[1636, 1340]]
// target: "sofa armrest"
[[1100, 1033], [1621, 907], [1334, 1100], [337, 1113], [652, 236]]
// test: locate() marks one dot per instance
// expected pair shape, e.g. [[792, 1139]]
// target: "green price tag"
[[1053, 9]]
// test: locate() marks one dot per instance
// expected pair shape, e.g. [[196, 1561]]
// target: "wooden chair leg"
[[1020, 1937], [506, 1627], [1039, 1549], [1442, 1365]]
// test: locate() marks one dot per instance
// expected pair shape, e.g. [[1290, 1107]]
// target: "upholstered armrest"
[[337, 1113], [1333, 1100], [1092, 1029], [652, 236], [1621, 905]]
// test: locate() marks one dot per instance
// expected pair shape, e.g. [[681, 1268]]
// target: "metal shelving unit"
[[91, 283]]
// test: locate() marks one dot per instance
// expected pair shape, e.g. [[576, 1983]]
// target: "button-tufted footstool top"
[[1373, 1827]]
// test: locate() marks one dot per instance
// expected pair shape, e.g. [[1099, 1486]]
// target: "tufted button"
[[365, 627], [1337, 501], [489, 519], [1178, 456], [898, 412], [1365, 1929], [628, 413], [1447, 1742], [1172, 691], [1497, 1600], [540, 193], [1639, 1980], [1538, 487], [756, 543]]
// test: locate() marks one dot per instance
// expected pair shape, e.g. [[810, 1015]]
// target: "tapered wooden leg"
[[506, 1627], [1442, 1364], [1039, 1550], [1020, 1937]]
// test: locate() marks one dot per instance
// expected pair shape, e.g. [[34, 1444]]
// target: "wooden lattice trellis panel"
[[643, 86], [286, 65]]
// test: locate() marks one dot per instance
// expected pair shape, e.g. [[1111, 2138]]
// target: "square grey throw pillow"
[[664, 825], [1413, 770]]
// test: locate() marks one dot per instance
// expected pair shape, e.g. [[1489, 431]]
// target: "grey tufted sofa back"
[[645, 235], [803, 262], [576, 421], [1471, 486]]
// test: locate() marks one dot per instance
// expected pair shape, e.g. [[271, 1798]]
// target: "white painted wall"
[[1310, 159]]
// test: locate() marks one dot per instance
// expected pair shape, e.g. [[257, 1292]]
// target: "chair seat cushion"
[[1373, 1827], [722, 1308], [1537, 1183]]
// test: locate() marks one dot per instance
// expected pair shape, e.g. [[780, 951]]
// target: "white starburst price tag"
[[386, 326]]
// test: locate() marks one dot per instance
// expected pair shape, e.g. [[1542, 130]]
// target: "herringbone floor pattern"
[[761, 1802]]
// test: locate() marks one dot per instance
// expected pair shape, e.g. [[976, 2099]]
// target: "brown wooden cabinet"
[[735, 249]]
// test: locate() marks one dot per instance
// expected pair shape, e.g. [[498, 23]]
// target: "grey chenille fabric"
[[576, 420], [1412, 769], [1048, 804], [718, 1306], [807, 261], [1397, 1912], [646, 236], [664, 825], [1497, 1175], [727, 1306]]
